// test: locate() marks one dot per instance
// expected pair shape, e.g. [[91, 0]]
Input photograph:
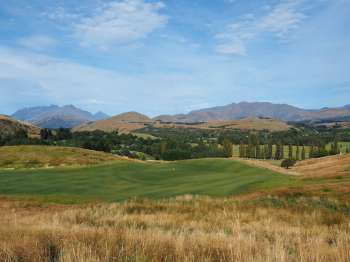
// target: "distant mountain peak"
[[100, 115], [131, 116], [54, 116]]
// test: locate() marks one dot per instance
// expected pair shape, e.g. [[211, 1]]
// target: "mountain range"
[[55, 116], [70, 116], [235, 111]]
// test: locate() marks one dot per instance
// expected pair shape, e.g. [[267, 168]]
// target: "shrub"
[[287, 163]]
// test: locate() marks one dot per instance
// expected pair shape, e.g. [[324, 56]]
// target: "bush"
[[287, 163]]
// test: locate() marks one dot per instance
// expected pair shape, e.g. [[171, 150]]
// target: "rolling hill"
[[249, 123], [124, 123], [51, 156], [331, 166], [132, 121], [55, 116], [10, 127]]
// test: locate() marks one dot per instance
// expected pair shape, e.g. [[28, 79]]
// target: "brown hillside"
[[125, 123], [243, 124], [9, 127], [251, 124], [330, 166]]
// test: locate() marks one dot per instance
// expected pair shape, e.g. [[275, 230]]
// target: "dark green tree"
[[303, 155], [228, 148], [287, 163], [297, 155], [290, 152]]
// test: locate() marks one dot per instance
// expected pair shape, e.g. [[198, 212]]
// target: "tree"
[[335, 146], [297, 157], [312, 150], [264, 152], [279, 152], [63, 134], [163, 146], [290, 152], [258, 151], [241, 150], [270, 149], [46, 134], [228, 147], [251, 151], [287, 163], [303, 155]]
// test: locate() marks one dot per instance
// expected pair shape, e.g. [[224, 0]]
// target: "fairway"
[[125, 180]]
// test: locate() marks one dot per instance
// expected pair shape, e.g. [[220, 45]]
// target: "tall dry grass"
[[185, 229]]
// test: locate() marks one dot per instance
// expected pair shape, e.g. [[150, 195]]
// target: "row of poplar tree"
[[277, 151]]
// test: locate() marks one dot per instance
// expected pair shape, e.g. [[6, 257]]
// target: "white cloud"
[[280, 20], [234, 47], [283, 18], [37, 42], [120, 22], [60, 81]]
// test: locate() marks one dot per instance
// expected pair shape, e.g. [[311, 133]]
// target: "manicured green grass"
[[124, 180]]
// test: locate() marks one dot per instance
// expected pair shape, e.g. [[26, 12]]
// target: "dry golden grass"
[[50, 156], [267, 164], [184, 229], [129, 123], [330, 166], [249, 123]]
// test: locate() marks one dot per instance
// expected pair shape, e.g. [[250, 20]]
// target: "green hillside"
[[125, 179]]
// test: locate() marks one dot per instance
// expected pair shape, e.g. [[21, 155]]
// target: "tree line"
[[178, 144]]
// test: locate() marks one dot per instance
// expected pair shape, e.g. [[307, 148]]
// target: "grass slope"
[[124, 180], [50, 156], [330, 166]]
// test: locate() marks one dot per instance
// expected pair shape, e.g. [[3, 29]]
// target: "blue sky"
[[173, 56]]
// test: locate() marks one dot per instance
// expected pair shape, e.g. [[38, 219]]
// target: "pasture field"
[[125, 179]]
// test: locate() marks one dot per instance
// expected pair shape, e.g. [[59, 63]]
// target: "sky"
[[173, 56]]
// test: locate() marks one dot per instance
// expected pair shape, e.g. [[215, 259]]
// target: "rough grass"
[[50, 156], [331, 166], [125, 179], [293, 228]]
